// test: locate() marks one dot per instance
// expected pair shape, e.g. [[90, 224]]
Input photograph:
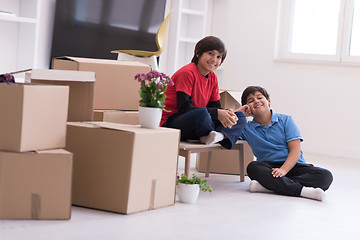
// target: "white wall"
[[323, 99]]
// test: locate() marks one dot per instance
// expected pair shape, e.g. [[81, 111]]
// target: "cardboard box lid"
[[101, 61], [230, 98], [122, 127], [60, 75], [53, 151]]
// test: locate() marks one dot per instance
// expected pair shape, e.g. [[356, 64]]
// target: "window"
[[355, 30], [319, 30]]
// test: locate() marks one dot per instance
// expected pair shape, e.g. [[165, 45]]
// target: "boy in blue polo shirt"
[[275, 141]]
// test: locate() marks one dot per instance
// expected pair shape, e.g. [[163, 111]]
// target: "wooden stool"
[[187, 148]]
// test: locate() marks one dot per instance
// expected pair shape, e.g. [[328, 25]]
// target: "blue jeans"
[[197, 123]]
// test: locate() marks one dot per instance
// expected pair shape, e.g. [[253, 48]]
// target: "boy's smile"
[[258, 105]]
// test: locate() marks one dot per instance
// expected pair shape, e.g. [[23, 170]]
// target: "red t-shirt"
[[189, 80]]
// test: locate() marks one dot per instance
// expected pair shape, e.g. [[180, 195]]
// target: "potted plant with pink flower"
[[152, 97]]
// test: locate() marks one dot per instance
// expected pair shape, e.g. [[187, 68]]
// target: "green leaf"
[[194, 180]]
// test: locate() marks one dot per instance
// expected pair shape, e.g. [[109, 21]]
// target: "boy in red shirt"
[[193, 103]]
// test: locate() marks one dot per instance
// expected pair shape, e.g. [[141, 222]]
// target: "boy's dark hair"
[[209, 43], [251, 90]]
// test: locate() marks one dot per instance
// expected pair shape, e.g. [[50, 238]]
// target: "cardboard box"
[[33, 117], [230, 99], [35, 185], [123, 168], [117, 116], [224, 161], [115, 86], [81, 96]]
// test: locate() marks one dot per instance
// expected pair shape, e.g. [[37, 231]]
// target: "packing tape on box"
[[152, 194], [35, 206]]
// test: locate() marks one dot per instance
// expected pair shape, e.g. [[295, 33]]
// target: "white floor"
[[231, 212]]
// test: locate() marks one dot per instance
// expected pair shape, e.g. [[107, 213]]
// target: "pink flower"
[[153, 87]]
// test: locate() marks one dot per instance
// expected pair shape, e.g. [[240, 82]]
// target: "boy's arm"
[[293, 157], [245, 109]]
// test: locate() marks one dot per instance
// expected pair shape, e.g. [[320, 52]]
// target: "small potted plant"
[[188, 189], [152, 97]]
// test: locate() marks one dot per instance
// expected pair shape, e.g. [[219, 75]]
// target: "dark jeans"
[[197, 123], [301, 175]]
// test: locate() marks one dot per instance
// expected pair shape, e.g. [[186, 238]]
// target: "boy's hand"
[[278, 172], [246, 110], [227, 117]]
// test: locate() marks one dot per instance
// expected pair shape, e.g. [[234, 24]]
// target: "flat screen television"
[[93, 28]]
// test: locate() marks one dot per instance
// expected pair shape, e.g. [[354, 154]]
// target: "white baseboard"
[[332, 150]]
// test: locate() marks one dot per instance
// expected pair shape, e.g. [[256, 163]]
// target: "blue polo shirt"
[[270, 143]]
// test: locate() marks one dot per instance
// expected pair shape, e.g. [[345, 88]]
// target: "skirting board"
[[331, 150]]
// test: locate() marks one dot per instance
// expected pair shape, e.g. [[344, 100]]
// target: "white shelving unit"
[[187, 27], [13, 18], [191, 21], [19, 23], [219, 27]]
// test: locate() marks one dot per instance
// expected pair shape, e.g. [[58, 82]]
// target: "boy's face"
[[258, 103], [209, 61]]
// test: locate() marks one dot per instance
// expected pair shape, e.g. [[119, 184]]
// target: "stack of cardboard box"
[[117, 167], [81, 89], [52, 153], [116, 97], [35, 170]]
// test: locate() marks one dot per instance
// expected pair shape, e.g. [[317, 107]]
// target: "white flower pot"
[[188, 193], [150, 117]]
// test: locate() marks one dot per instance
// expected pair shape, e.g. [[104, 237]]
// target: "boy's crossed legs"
[[303, 180]]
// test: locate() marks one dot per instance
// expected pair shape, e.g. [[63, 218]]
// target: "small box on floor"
[[33, 117], [117, 116], [115, 86], [123, 168], [35, 185], [224, 161], [81, 83]]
